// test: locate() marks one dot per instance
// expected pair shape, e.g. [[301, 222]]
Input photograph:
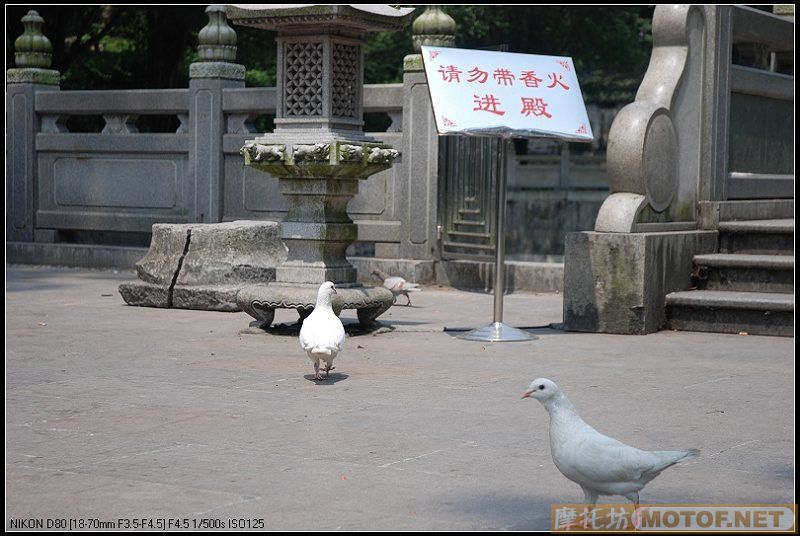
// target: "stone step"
[[739, 260], [758, 226], [746, 273], [754, 313], [757, 236]]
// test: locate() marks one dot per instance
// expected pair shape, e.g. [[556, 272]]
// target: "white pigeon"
[[322, 334], [599, 464], [397, 285]]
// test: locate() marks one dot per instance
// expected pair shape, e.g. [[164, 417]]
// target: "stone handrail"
[[643, 142], [708, 123], [138, 101]]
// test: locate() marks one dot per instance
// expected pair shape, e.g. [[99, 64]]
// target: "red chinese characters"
[[451, 73], [529, 79], [503, 76], [476, 75], [535, 106], [556, 79], [487, 103]]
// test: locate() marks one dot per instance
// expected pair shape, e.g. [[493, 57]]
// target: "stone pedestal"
[[616, 282], [317, 180], [318, 152]]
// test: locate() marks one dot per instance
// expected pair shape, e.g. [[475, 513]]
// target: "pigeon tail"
[[689, 454], [318, 350], [668, 458]]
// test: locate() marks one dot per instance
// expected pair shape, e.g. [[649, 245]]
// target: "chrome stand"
[[497, 331]]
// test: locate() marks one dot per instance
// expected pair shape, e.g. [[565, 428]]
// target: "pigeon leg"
[[316, 371], [409, 300], [589, 496], [328, 368], [636, 518]]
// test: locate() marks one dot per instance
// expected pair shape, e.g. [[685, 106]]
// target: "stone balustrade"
[[120, 179]]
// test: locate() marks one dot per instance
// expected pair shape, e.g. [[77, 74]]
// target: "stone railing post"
[[33, 57], [207, 79], [419, 181]]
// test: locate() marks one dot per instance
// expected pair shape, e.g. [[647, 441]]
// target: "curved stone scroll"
[[619, 213], [643, 148]]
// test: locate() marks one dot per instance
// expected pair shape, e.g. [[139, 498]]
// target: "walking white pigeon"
[[397, 285], [322, 334], [599, 464]]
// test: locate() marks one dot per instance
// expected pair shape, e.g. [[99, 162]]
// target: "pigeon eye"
[[541, 387]]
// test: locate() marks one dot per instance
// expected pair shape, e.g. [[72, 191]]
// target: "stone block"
[[617, 282], [232, 253], [203, 266]]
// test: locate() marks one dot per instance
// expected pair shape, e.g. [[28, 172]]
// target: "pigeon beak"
[[333, 289], [527, 394]]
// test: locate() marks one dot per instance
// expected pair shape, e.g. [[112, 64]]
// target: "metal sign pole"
[[500, 247], [497, 331]]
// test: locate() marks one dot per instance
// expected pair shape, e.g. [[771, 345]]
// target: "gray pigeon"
[[599, 464], [322, 334], [397, 285]]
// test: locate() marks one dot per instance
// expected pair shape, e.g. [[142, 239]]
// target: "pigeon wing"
[[601, 459], [395, 284]]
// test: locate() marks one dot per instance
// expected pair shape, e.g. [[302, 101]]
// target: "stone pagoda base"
[[260, 301]]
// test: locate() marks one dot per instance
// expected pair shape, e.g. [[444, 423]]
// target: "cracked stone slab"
[[203, 266]]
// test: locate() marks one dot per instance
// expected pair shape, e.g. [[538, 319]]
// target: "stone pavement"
[[117, 412]]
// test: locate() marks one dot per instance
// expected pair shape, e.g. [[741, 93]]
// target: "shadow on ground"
[[503, 511], [332, 378]]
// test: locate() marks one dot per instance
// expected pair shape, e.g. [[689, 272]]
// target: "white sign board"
[[505, 94]]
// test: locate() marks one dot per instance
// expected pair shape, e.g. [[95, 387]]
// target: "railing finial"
[[217, 40], [433, 28], [32, 48]]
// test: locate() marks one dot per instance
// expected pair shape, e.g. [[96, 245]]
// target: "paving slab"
[[119, 412]]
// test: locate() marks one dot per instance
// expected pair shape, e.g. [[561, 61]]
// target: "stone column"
[[208, 78], [318, 151], [419, 184], [783, 62], [33, 57]]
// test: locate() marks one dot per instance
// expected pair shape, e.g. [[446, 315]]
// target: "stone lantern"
[[318, 151]]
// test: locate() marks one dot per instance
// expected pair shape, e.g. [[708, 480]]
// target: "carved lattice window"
[[345, 80], [303, 92]]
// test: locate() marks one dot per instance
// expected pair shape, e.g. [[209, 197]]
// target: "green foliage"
[[117, 46], [610, 46], [260, 78], [383, 56], [257, 52]]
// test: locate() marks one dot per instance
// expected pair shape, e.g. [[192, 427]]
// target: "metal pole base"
[[497, 332]]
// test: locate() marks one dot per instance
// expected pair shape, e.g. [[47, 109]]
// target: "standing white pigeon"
[[599, 464], [397, 285], [322, 334]]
